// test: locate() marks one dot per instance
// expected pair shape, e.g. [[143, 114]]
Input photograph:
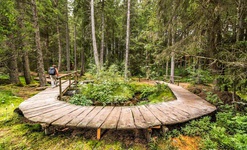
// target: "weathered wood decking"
[[45, 108]]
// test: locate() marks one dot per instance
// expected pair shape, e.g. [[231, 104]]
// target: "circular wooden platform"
[[45, 108]]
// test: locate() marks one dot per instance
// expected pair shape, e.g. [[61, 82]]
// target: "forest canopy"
[[161, 37]]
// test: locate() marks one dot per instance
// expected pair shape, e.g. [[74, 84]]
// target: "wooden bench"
[[45, 108]]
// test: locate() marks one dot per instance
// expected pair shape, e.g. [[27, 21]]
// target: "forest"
[[200, 43]]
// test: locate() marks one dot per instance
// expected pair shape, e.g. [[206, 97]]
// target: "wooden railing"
[[73, 76], [177, 79]]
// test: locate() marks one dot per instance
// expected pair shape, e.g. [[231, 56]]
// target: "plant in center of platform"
[[121, 93]]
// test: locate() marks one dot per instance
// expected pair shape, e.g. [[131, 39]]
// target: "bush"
[[79, 99]]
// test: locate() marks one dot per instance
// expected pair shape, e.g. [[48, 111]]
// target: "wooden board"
[[174, 115], [100, 118], [113, 119], [74, 122], [41, 108], [140, 122], [126, 120], [70, 116], [48, 110], [162, 117], [89, 117], [53, 115], [150, 119]]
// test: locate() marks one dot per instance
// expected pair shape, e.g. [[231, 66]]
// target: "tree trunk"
[[58, 40], [67, 39], [12, 63], [75, 49], [172, 55], [127, 42], [240, 20], [96, 55], [40, 63], [23, 44], [102, 36], [26, 67], [82, 62]]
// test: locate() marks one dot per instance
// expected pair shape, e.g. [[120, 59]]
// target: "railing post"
[[69, 80], [60, 89]]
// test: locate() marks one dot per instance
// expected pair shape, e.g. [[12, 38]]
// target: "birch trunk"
[[96, 55], [127, 42]]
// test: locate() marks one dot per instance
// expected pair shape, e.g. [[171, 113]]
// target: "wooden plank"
[[193, 112], [161, 116], [100, 117], [90, 116], [138, 118], [28, 105], [112, 120], [53, 115], [48, 110], [148, 116], [74, 122], [42, 108], [175, 115], [126, 120], [68, 117], [177, 112]]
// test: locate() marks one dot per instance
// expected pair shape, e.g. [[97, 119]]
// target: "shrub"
[[79, 99]]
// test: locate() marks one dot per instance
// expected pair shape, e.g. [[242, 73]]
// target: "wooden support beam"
[[148, 134], [46, 128], [164, 130], [98, 134], [156, 127]]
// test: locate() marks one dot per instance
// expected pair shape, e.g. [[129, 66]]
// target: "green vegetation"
[[111, 90]]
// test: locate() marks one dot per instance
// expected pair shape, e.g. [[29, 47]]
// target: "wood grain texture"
[[113, 119], [126, 120]]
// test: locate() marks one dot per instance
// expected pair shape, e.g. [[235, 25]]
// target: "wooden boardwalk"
[[45, 108]]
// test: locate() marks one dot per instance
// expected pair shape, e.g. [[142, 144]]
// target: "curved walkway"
[[45, 108]]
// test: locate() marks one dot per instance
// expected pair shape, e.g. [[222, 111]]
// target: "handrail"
[[74, 73], [176, 78]]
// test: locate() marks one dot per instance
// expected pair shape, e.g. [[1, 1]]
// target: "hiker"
[[53, 72]]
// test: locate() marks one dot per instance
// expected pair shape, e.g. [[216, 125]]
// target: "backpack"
[[52, 71]]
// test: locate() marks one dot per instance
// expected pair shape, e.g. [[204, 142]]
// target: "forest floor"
[[18, 133]]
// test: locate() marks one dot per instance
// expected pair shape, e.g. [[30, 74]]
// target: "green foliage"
[[79, 99], [197, 127], [199, 76], [111, 89], [213, 99]]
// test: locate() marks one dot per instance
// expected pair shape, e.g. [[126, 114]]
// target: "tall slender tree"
[[96, 55], [67, 38], [127, 41], [40, 63], [23, 43], [102, 34]]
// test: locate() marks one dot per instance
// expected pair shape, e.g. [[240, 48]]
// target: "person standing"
[[53, 72]]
